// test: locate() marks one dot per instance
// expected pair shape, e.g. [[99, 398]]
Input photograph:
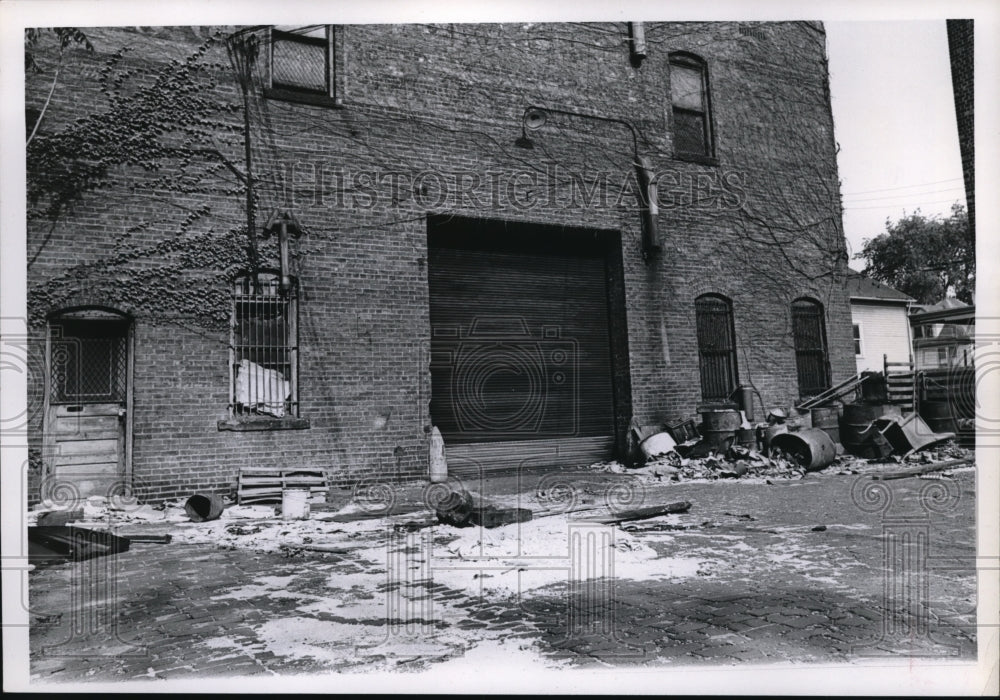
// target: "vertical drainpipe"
[[649, 207], [251, 226], [286, 281]]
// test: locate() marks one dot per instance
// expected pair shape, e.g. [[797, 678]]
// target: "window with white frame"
[[264, 349], [859, 348]]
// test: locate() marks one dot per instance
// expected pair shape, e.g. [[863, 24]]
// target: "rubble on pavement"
[[749, 464], [736, 462]]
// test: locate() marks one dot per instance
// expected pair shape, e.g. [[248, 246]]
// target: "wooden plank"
[[72, 447], [87, 410], [87, 468], [86, 437], [100, 458], [277, 473], [639, 513], [925, 469], [84, 424], [265, 480]]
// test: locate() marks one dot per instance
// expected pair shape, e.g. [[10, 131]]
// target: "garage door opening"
[[526, 327]]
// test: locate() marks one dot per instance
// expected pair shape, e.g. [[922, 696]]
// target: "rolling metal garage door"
[[521, 366]]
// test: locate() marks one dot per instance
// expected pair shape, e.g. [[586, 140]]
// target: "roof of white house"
[[862, 287]]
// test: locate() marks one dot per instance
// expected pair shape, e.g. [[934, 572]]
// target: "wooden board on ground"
[[260, 484]]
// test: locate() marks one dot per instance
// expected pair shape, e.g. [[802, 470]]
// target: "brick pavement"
[[767, 589]]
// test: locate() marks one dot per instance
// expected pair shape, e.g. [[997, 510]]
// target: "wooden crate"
[[259, 484]]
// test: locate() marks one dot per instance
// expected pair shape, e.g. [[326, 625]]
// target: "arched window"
[[811, 361], [716, 346], [264, 351], [689, 97]]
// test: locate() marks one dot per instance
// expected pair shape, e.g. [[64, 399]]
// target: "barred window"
[[301, 60], [690, 102], [811, 359], [264, 348], [716, 346]]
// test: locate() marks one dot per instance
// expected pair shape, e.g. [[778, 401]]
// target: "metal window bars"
[[264, 353], [716, 347]]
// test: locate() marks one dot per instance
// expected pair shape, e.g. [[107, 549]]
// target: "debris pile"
[[727, 444], [736, 462]]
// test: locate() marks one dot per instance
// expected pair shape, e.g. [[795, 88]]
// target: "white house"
[[881, 323]]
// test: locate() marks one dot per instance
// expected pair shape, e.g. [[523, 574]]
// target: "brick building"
[[527, 235], [961, 54]]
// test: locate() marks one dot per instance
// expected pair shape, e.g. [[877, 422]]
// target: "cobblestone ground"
[[798, 571]]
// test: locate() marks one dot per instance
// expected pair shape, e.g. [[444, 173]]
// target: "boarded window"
[[810, 347], [716, 347], [301, 59], [690, 103], [264, 350]]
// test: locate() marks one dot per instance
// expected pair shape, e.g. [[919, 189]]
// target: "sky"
[[894, 119]]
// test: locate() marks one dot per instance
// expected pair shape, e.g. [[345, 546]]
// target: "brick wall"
[[762, 226], [962, 55]]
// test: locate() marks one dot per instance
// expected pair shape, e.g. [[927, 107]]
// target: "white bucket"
[[295, 504]]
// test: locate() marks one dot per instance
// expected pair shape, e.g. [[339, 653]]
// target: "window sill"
[[249, 423], [695, 158], [306, 98]]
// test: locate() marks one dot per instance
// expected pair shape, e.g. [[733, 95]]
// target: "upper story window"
[[859, 348], [691, 107], [302, 64]]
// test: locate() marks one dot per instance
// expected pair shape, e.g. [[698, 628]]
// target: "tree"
[[66, 37], [925, 257]]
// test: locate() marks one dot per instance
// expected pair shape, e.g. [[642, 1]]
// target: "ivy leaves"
[[156, 118]]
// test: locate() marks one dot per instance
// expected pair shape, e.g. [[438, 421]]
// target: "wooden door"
[[86, 415]]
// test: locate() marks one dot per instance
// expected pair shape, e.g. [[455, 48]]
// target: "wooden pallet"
[[259, 484]]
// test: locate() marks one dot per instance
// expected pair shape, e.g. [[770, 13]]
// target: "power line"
[[956, 188], [905, 187], [902, 206]]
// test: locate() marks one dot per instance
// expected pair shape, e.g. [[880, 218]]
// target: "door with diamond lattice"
[[84, 445]]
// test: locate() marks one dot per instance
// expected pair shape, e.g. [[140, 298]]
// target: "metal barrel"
[[202, 507], [720, 440], [811, 448], [856, 428], [827, 419], [939, 416], [720, 419], [747, 437]]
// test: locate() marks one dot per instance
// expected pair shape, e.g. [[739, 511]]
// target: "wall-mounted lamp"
[[535, 118]]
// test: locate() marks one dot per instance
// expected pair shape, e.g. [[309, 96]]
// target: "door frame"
[[94, 313]]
